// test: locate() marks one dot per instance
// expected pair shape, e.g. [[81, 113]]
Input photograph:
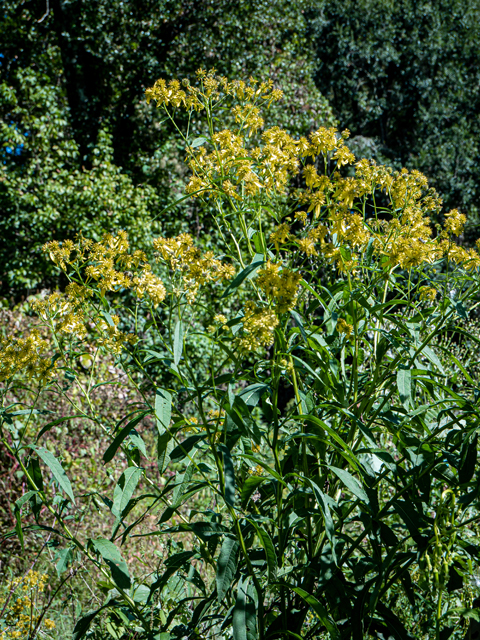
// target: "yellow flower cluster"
[[344, 327], [21, 612], [258, 327], [111, 338], [109, 264], [279, 286], [25, 355], [196, 269], [428, 293], [234, 164], [212, 88], [406, 240]]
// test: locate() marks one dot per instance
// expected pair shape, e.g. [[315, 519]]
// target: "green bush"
[[403, 77], [317, 476], [45, 190]]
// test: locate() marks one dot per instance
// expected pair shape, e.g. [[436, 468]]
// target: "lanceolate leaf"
[[163, 410], [83, 623], [351, 482], [114, 560], [120, 437], [321, 612], [329, 526], [404, 383], [243, 620], [178, 342], [267, 544], [57, 470], [229, 473], [248, 272], [165, 446], [226, 566], [125, 489]]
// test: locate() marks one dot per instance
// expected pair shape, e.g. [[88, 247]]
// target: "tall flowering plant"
[[319, 466]]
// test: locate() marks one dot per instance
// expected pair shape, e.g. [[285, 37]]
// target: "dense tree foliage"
[[80, 145], [404, 76]]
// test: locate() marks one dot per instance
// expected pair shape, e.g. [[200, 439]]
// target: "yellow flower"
[[150, 284], [454, 222], [344, 327], [428, 293], [279, 286], [281, 234], [258, 327]]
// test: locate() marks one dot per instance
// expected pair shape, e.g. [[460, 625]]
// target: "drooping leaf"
[[125, 488], [137, 440], [249, 487], [121, 436], [352, 483], [226, 566], [248, 272], [83, 624], [243, 619], [172, 564], [229, 473], [468, 460], [165, 446], [114, 560], [325, 509], [57, 470], [183, 449], [269, 547], [54, 423], [404, 384], [251, 395], [178, 342], [163, 410], [321, 612], [18, 526], [64, 557]]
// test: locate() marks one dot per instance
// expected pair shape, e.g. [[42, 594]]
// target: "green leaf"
[[164, 448], [173, 564], [252, 394], [352, 483], [57, 470], [163, 410], [35, 473], [246, 273], [226, 566], [243, 619], [63, 558], [48, 426], [114, 560], [468, 460], [121, 436], [249, 486], [18, 525], [124, 489], [267, 544], [404, 384], [321, 612], [432, 356], [178, 342], [197, 142], [229, 472], [137, 441], [345, 449], [183, 449], [83, 623], [327, 517]]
